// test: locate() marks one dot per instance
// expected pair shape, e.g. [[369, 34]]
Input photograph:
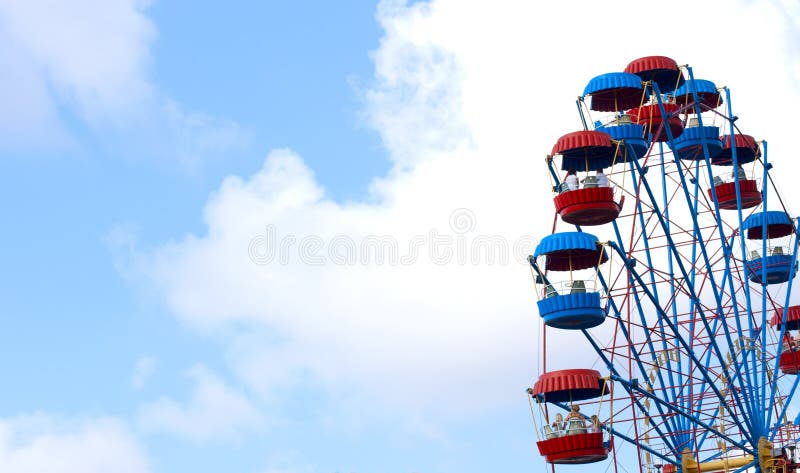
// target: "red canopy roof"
[[652, 111], [651, 63], [742, 141], [660, 69], [650, 116], [569, 385], [579, 140], [792, 317]]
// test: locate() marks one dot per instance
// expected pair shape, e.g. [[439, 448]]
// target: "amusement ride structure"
[[665, 287]]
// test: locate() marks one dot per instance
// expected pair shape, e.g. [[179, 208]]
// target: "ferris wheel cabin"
[[573, 302], [697, 139], [573, 442], [593, 202], [776, 265], [789, 361], [654, 123], [747, 151], [726, 192]]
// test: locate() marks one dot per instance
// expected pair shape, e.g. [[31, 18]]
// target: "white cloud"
[[94, 54], [144, 369], [214, 411], [196, 135], [44, 444], [28, 112], [469, 97], [91, 60]]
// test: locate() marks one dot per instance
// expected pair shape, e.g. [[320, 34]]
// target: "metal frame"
[[691, 347]]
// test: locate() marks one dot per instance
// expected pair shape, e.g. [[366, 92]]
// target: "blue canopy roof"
[[773, 217], [692, 133], [626, 131], [702, 86], [632, 133], [568, 251], [689, 144], [613, 80], [565, 241]]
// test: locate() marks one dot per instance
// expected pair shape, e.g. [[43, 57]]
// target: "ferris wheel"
[[668, 275]]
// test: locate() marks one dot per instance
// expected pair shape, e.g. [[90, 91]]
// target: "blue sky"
[[302, 69], [144, 145], [73, 327]]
